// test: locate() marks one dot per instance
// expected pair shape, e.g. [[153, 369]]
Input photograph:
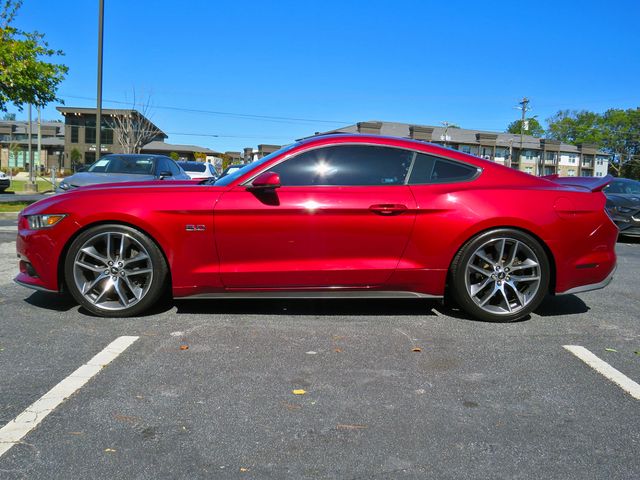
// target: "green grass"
[[18, 186], [13, 206]]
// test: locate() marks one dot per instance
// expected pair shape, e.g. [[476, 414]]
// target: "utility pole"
[[446, 129], [524, 106], [99, 86]]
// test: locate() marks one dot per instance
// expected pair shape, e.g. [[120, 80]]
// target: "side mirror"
[[164, 174], [265, 181]]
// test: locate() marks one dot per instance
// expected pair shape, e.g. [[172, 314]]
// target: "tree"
[[25, 77], [76, 156], [9, 117], [174, 156], [575, 127], [616, 131], [621, 138], [531, 127], [132, 129]]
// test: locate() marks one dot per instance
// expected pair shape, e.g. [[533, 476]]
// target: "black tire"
[[115, 271], [493, 276]]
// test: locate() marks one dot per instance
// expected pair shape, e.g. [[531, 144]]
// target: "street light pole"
[[99, 87], [31, 183]]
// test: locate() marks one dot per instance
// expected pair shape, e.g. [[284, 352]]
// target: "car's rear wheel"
[[500, 276], [115, 271]]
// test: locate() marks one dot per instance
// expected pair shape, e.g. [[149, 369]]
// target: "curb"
[[9, 215]]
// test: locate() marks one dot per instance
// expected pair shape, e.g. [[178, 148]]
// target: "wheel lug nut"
[[110, 263], [119, 264]]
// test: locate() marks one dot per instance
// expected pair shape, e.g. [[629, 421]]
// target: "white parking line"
[[16, 429], [9, 229], [603, 368]]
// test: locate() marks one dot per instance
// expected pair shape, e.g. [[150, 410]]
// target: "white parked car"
[[198, 169]]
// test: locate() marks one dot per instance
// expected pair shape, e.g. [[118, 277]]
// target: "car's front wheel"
[[115, 271], [500, 276]]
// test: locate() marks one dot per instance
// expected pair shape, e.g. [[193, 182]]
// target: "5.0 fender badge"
[[195, 228]]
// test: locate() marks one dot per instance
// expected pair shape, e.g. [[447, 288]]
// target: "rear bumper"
[[592, 286]]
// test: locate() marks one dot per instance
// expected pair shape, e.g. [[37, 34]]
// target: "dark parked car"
[[119, 168], [623, 204], [4, 181]]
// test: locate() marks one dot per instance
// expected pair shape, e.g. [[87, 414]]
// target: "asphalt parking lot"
[[392, 389]]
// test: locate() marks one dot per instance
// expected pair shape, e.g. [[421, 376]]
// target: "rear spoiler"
[[593, 184]]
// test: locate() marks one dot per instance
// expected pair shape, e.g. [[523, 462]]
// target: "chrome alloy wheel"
[[503, 276], [112, 270]]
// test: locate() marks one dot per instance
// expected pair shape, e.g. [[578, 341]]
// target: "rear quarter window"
[[428, 169]]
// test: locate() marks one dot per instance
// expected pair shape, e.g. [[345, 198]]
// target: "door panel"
[[312, 236]]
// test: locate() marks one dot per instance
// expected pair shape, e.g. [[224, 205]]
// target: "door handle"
[[388, 208]]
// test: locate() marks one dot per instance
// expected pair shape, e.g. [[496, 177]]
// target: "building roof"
[[107, 111], [22, 128], [461, 136], [157, 146], [45, 142]]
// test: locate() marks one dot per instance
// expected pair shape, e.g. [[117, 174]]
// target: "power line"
[[229, 114]]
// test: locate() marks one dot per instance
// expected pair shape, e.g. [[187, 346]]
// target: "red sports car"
[[330, 216]]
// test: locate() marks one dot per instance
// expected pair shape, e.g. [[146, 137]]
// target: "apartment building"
[[537, 156]]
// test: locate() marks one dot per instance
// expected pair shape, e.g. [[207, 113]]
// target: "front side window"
[[346, 165], [429, 169]]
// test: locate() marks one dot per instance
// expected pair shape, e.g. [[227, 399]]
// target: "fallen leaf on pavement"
[[299, 391], [109, 450], [337, 350], [346, 426], [610, 350], [242, 469], [291, 406], [184, 347], [416, 349]]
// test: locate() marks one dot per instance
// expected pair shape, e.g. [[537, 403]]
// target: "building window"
[[571, 172], [572, 158], [74, 134], [465, 149], [90, 131], [529, 170]]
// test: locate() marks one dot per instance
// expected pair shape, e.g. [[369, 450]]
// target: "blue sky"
[[338, 62]]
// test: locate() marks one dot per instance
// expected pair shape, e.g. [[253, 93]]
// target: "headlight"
[[64, 186], [623, 209], [38, 222]]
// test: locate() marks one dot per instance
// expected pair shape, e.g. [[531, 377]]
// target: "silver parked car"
[[198, 169], [118, 168]]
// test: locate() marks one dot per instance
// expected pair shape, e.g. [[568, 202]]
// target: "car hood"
[[88, 178], [624, 199]]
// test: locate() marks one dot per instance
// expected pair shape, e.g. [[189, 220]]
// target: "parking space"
[[402, 389]]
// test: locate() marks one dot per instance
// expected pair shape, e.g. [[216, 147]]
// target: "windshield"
[[121, 164], [192, 166], [228, 179], [628, 187]]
